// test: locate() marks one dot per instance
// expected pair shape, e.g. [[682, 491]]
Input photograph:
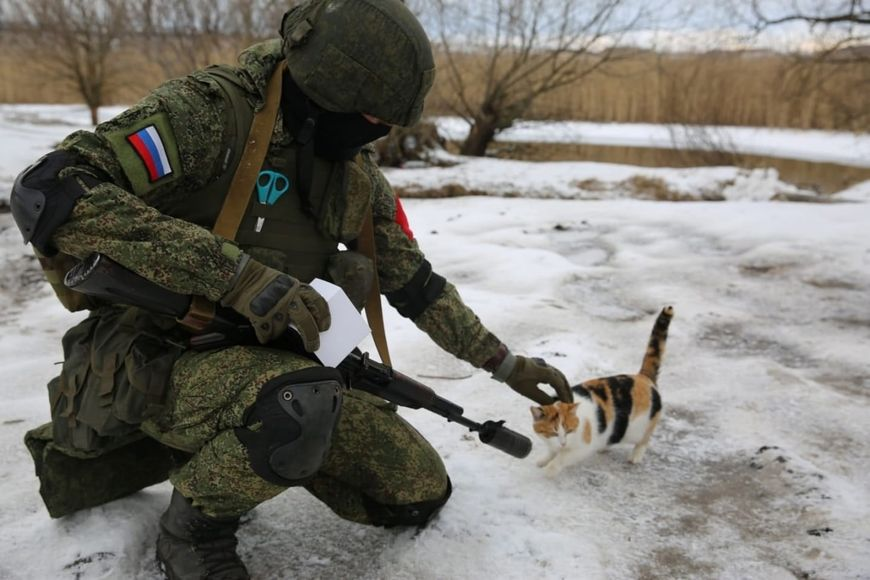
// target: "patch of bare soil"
[[449, 190], [732, 339], [766, 502]]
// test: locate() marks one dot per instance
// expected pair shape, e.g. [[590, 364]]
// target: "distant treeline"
[[719, 88]]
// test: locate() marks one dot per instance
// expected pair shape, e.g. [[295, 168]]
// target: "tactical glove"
[[272, 300], [524, 374]]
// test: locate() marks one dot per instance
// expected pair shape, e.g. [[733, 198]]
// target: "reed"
[[718, 88]]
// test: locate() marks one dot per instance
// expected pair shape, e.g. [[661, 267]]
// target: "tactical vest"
[[293, 231], [282, 227], [118, 361]]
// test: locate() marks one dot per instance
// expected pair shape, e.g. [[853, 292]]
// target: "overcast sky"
[[669, 24]]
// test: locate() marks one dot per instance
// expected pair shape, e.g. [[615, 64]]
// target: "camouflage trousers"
[[377, 463]]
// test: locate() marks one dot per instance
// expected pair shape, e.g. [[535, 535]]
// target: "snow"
[[30, 131], [592, 181], [759, 468], [823, 146]]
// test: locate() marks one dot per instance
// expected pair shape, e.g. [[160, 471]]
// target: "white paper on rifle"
[[348, 327]]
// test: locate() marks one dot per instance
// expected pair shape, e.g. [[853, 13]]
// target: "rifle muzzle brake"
[[494, 433]]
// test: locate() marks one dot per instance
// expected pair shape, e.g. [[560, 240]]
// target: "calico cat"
[[606, 411]]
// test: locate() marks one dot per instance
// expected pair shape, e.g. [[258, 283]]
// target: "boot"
[[194, 546]]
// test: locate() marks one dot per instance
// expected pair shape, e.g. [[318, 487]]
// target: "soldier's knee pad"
[[412, 514], [288, 430]]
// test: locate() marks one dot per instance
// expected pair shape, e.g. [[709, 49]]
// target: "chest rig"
[[295, 225], [285, 210]]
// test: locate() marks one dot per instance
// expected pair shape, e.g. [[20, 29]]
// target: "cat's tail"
[[655, 350]]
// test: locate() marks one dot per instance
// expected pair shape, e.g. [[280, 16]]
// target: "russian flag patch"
[[149, 147]]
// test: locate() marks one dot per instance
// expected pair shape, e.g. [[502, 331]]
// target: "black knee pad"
[[288, 430], [411, 514]]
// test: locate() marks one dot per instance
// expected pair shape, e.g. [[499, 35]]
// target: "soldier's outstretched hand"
[[531, 372], [272, 301], [524, 374]]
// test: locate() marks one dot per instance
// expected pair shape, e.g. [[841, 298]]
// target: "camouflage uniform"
[[147, 189], [160, 229]]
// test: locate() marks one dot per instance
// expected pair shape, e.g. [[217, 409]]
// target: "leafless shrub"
[[76, 40], [527, 48]]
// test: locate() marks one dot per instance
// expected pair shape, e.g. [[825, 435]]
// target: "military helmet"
[[360, 56]]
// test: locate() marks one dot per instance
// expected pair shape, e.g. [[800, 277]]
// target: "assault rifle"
[[100, 277]]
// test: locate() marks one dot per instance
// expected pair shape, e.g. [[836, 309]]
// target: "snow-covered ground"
[[27, 130], [821, 146], [758, 470], [598, 181]]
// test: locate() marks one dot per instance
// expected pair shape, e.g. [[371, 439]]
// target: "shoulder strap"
[[242, 115], [374, 313], [239, 195], [256, 147], [202, 310]]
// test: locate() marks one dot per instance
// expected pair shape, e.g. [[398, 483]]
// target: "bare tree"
[[77, 39], [499, 56], [182, 35], [840, 54], [253, 20], [818, 13]]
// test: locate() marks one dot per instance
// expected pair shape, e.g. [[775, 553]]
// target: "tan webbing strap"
[[202, 311], [366, 246], [256, 147]]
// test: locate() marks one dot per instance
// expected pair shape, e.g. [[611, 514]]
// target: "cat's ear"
[[537, 413]]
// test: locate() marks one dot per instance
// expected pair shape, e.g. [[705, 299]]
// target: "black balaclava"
[[336, 136]]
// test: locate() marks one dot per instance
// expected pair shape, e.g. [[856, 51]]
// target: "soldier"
[[147, 188]]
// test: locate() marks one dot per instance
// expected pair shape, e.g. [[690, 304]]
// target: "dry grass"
[[652, 188], [448, 190], [759, 89], [644, 187], [26, 77], [821, 177], [724, 88]]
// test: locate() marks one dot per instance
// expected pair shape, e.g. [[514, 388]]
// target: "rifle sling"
[[239, 196], [202, 311], [375, 315], [256, 147]]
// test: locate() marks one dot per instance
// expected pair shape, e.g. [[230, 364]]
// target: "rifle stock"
[[103, 278]]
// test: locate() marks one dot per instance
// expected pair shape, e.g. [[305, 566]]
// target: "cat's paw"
[[553, 469], [637, 455], [543, 462]]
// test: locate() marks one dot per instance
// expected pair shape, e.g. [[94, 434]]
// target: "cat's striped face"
[[556, 420]]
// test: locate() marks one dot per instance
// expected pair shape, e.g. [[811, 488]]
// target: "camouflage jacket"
[[131, 216]]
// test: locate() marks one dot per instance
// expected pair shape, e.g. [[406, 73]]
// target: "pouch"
[[72, 480], [345, 191], [354, 273], [116, 371]]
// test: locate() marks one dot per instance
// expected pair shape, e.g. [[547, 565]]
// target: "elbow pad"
[[423, 289], [41, 201]]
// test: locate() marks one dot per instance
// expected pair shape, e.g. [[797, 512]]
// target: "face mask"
[[336, 136], [340, 136]]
